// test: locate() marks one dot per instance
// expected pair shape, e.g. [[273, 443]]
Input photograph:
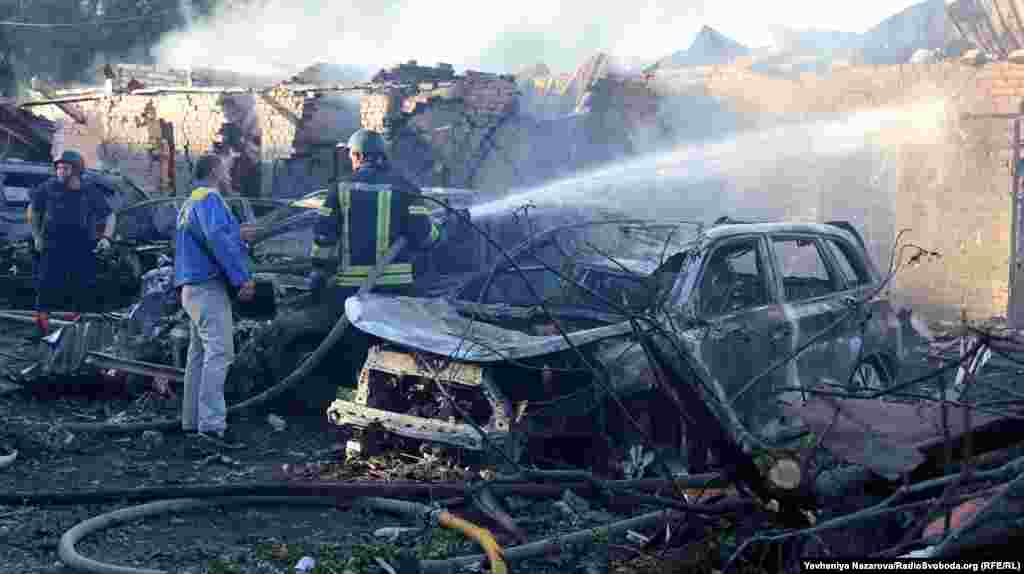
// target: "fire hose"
[[73, 559], [307, 366], [334, 494], [482, 536]]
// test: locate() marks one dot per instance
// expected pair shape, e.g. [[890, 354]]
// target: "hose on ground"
[[73, 559], [550, 546], [480, 535], [431, 491], [300, 373]]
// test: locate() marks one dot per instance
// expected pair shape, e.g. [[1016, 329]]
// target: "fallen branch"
[[985, 528], [838, 522], [685, 392]]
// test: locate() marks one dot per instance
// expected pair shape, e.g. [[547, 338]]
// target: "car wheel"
[[869, 377]]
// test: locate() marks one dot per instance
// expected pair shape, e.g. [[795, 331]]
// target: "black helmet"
[[73, 158]]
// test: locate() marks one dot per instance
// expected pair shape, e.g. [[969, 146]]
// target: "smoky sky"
[[283, 36]]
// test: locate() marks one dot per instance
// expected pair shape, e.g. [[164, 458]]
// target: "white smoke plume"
[[280, 37]]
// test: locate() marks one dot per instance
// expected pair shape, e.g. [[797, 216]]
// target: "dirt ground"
[[221, 540]]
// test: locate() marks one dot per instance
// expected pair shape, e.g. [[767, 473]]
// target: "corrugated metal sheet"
[[996, 26]]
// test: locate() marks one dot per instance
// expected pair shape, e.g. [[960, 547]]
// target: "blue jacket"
[[206, 215]]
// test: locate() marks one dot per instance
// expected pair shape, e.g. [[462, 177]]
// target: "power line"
[[16, 24]]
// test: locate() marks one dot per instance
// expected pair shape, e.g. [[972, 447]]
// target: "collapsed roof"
[[28, 136], [996, 26]]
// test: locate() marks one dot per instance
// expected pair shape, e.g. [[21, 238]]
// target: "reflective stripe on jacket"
[[358, 224]]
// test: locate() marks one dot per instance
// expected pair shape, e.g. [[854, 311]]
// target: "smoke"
[[843, 167], [281, 37]]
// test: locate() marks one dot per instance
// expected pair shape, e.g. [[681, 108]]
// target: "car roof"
[[618, 266], [733, 229]]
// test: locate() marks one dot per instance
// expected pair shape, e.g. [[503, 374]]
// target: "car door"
[[860, 335], [744, 323], [810, 290]]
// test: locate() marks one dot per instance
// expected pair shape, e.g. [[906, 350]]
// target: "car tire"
[[870, 376]]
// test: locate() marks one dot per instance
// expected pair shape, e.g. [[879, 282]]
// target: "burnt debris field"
[[729, 309]]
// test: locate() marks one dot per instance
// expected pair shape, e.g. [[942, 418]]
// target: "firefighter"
[[359, 222], [65, 214]]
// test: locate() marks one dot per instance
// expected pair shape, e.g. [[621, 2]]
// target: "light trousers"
[[211, 351]]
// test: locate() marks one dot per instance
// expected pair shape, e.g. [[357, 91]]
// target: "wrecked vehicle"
[[738, 297]]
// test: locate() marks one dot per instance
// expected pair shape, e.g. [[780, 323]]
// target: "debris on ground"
[[575, 391]]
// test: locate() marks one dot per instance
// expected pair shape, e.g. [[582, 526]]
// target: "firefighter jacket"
[[362, 218]]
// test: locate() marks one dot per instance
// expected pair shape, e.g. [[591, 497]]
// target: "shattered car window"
[[628, 291], [511, 288], [851, 267], [803, 269], [733, 279]]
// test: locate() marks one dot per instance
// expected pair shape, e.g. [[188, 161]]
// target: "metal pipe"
[[108, 361], [28, 319]]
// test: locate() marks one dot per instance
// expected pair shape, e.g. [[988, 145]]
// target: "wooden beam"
[[67, 108], [288, 114]]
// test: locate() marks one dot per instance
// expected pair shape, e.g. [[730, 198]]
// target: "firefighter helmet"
[[73, 158], [366, 141]]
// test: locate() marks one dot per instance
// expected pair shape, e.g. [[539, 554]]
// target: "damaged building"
[[495, 133], [25, 136]]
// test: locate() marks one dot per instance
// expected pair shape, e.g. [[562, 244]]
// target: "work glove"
[[103, 244], [316, 280]]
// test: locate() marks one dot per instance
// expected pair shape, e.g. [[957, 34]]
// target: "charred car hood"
[[435, 326]]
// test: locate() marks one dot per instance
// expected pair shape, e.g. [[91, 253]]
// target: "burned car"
[[737, 298]]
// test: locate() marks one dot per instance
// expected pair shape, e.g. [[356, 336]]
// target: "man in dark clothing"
[[65, 213], [359, 223], [356, 227]]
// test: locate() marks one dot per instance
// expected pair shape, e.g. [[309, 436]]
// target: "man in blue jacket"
[[209, 254]]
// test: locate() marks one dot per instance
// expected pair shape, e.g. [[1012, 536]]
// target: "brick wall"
[[438, 129], [119, 134], [951, 192]]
